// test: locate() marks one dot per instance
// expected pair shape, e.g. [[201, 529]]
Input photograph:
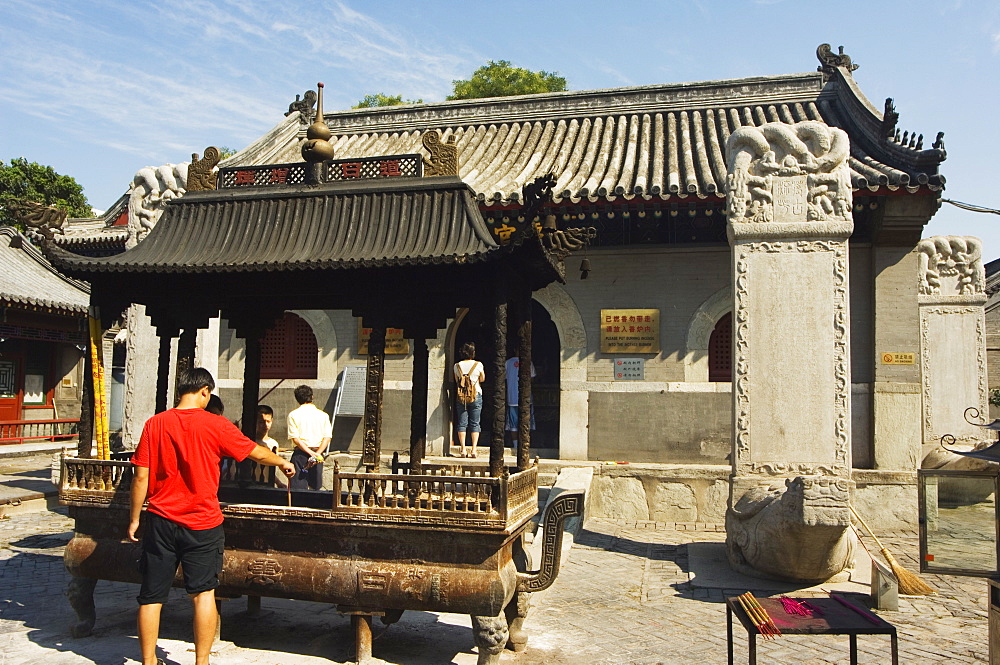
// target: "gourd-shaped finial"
[[317, 147]]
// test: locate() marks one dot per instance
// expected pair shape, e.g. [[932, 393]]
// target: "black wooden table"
[[835, 620]]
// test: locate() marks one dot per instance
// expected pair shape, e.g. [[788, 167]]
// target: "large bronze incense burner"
[[398, 250], [447, 540]]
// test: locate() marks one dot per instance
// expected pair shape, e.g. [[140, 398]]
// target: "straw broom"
[[909, 584]]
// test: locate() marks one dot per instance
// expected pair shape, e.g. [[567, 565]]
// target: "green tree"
[[225, 152], [381, 99], [497, 78], [23, 181]]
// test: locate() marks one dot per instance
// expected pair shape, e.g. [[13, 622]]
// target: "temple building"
[[638, 355], [43, 333]]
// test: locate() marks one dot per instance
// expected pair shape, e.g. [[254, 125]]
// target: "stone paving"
[[622, 598]]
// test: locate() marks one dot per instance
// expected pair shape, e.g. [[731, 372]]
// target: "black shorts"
[[166, 543]]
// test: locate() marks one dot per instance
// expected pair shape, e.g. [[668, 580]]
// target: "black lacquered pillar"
[[523, 378], [418, 404], [371, 451], [500, 379]]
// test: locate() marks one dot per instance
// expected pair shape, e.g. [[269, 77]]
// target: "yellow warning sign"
[[898, 358]]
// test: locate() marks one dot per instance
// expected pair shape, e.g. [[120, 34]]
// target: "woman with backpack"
[[469, 375]]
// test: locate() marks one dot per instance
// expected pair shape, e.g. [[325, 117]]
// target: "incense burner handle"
[[568, 504]]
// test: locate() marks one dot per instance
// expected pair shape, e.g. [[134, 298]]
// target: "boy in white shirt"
[[310, 431]]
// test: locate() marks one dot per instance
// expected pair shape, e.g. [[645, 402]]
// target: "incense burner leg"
[[80, 593], [490, 636], [362, 624], [516, 611], [253, 605]]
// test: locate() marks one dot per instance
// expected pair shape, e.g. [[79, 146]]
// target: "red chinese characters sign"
[[630, 331], [395, 342]]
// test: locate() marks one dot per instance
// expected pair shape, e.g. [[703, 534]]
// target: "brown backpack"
[[467, 387]]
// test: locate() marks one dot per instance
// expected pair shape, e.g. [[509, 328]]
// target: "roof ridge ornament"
[[39, 218], [830, 61], [443, 155], [317, 147], [304, 106], [889, 119], [201, 177]]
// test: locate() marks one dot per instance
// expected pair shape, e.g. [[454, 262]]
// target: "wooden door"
[[10, 386]]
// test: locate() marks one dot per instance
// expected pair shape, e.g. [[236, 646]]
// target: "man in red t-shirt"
[[177, 469]]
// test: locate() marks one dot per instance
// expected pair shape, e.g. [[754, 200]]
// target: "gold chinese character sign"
[[630, 331], [395, 342]]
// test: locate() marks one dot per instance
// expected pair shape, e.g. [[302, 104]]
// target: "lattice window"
[[289, 350], [720, 350]]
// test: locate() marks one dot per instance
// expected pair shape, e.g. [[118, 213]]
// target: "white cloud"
[[148, 79]]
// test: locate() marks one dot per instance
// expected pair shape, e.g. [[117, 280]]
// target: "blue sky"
[[98, 89]]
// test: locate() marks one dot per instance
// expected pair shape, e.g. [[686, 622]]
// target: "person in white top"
[[310, 431], [468, 414]]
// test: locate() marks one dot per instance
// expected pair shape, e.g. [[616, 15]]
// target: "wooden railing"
[[23, 431]]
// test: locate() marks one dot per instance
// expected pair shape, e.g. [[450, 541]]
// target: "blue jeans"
[[468, 414]]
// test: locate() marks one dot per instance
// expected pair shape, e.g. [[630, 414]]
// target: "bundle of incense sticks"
[[793, 606], [761, 619]]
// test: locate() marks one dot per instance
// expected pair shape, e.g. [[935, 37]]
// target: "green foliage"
[[380, 99], [499, 79], [225, 152], [995, 397], [23, 181]]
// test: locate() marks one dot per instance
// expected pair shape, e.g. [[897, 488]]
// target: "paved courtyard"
[[623, 597]]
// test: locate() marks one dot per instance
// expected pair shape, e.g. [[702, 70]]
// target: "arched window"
[[720, 350], [288, 350]]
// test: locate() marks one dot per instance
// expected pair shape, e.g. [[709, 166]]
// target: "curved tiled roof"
[[28, 280], [399, 222], [651, 141]]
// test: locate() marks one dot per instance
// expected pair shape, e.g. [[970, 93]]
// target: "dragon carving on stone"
[[152, 187], [811, 155], [951, 265]]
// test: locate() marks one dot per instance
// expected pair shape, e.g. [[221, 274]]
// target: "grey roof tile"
[[664, 141], [28, 280]]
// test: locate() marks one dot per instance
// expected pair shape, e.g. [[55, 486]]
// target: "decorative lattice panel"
[[720, 350], [289, 350], [270, 175], [8, 378]]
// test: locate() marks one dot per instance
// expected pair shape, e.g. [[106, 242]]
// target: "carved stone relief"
[[951, 265], [795, 530], [151, 188], [788, 173]]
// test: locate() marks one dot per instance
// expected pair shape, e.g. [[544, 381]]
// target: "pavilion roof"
[[658, 141], [28, 280], [338, 226]]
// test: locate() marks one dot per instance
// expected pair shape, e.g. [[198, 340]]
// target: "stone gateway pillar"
[[952, 294], [789, 208]]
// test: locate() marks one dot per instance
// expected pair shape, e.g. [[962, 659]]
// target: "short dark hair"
[[215, 405], [303, 394], [468, 351], [194, 379], [264, 409]]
